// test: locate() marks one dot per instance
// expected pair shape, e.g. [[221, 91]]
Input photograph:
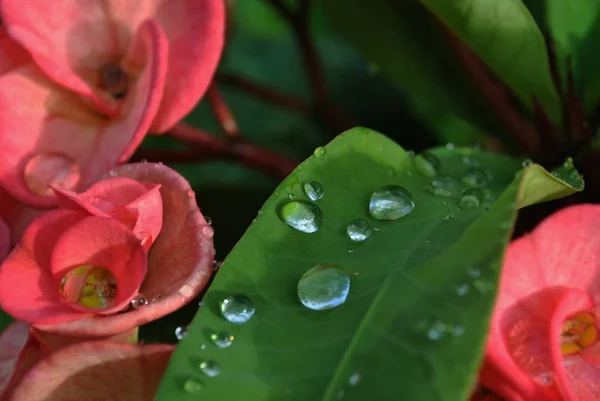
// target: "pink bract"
[[157, 243], [550, 277]]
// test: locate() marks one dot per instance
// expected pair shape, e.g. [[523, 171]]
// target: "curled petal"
[[100, 370], [180, 260], [19, 351]]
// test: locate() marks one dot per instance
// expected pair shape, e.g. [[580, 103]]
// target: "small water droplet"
[[450, 146], [470, 161], [202, 347], [181, 332], [320, 151], [90, 286], [427, 164], [526, 163], [192, 386], [222, 339], [208, 231], [391, 203], [216, 265], [210, 368], [301, 215], [437, 331], [462, 290], [475, 273], [54, 169], [444, 186], [291, 196], [138, 301], [350, 250], [475, 178], [237, 308], [471, 199], [457, 330], [545, 379], [354, 379], [323, 287], [191, 194], [208, 220], [359, 230], [314, 190]]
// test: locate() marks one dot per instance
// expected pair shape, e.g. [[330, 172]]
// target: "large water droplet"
[[301, 215], [54, 169], [427, 164], [210, 368], [237, 308], [445, 186], [390, 203], [90, 286], [222, 339], [471, 199], [474, 177], [323, 287], [192, 386], [181, 332], [138, 301], [314, 190], [359, 230], [320, 151]]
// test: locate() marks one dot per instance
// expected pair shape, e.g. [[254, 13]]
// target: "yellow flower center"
[[578, 332], [90, 286]]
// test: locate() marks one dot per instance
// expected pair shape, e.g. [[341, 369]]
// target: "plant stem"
[[222, 113]]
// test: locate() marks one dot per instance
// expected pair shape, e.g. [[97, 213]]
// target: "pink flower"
[[84, 81], [99, 370], [544, 342], [137, 234]]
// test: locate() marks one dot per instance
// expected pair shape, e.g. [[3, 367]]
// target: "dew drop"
[[291, 196], [526, 163], [191, 193], [314, 190], [90, 286], [222, 339], [192, 386], [545, 379], [354, 379], [427, 164], [181, 332], [54, 169], [450, 146], [237, 308], [323, 287], [457, 330], [471, 199], [437, 331], [208, 231], [470, 161], [208, 220], [138, 301], [391, 203], [210, 368], [320, 151], [462, 290], [359, 230], [301, 215], [216, 265], [474, 273], [474, 177]]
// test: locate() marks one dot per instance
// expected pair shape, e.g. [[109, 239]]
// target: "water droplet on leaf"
[[391, 203], [527, 162], [210, 368], [237, 308], [462, 290], [437, 331], [359, 230], [302, 216], [90, 286], [320, 151], [471, 199], [222, 339], [181, 332], [323, 287], [314, 190], [192, 386], [354, 379], [427, 164], [474, 177]]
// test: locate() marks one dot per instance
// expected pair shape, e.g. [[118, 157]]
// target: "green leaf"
[[504, 35], [422, 287], [5, 320], [404, 43]]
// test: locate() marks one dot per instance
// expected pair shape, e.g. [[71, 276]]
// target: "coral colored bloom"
[[544, 343], [136, 234], [14, 218], [91, 79], [100, 370]]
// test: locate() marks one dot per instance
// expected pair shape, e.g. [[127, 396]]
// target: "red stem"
[[222, 113]]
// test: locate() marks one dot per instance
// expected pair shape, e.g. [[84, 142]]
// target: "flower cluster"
[[92, 248]]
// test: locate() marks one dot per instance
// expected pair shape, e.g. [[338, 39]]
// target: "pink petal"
[[50, 137], [28, 291], [4, 239], [180, 261], [96, 371], [16, 215], [12, 341], [12, 55], [103, 243]]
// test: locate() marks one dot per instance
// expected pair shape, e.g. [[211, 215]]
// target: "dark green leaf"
[[5, 320], [422, 287], [505, 35]]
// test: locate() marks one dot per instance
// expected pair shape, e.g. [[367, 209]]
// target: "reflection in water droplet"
[[138, 301], [237, 308], [192, 386], [323, 287], [354, 379], [427, 164], [54, 169], [222, 339], [359, 230], [471, 199], [314, 190], [320, 151], [90, 286], [210, 368], [181, 332], [444, 186], [302, 216], [391, 203], [474, 177], [437, 331], [462, 290]]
